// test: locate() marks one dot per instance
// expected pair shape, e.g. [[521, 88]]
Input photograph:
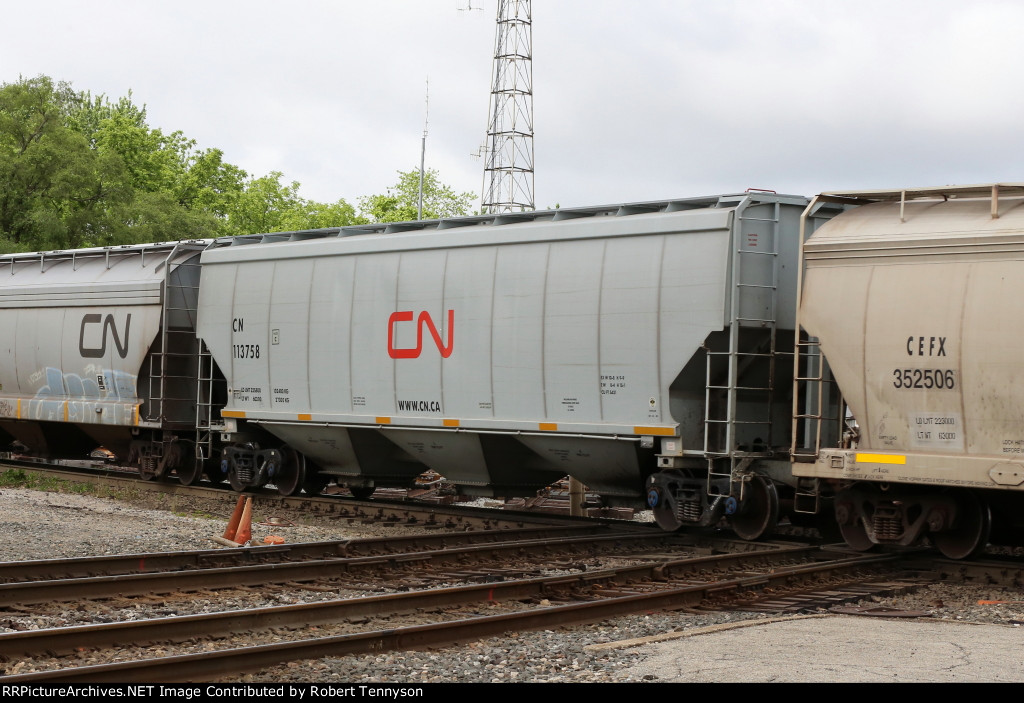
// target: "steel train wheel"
[[147, 469], [361, 492], [665, 516], [214, 473], [826, 522], [190, 473], [662, 501], [292, 473], [236, 485], [973, 527], [856, 536], [315, 482], [759, 511]]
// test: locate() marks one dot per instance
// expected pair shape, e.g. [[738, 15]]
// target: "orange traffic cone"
[[244, 533], [229, 534]]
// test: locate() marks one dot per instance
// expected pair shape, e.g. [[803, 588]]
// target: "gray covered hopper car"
[[636, 348], [913, 296], [98, 347]]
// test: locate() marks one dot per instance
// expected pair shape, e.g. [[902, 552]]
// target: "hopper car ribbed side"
[[638, 348], [913, 297]]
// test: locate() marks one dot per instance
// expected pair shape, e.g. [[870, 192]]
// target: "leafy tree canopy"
[[78, 170], [401, 202]]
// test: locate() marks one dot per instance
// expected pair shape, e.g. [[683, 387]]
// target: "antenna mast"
[[508, 172], [423, 152]]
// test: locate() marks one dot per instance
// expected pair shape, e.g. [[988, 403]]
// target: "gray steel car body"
[[502, 352]]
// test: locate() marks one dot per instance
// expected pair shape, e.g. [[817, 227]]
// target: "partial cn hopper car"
[[98, 347], [638, 348], [913, 298]]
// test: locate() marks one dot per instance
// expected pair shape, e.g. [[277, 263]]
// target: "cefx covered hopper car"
[[644, 349], [914, 297]]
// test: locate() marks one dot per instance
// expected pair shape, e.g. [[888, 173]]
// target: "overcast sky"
[[633, 100]]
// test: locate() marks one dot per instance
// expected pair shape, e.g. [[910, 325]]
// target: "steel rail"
[[217, 664], [134, 584], [380, 510], [182, 627], [151, 562]]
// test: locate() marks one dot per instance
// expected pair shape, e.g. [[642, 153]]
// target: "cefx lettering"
[[106, 325], [926, 346], [424, 320]]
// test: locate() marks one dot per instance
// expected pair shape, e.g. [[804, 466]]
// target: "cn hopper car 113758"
[[666, 353], [633, 347]]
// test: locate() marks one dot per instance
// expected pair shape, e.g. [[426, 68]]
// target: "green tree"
[[260, 206], [54, 189], [401, 202], [210, 184], [178, 191], [267, 205], [314, 215], [80, 170]]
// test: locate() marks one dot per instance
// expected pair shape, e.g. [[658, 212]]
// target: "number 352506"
[[941, 379]]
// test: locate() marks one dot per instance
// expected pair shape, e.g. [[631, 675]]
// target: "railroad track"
[[436, 616], [156, 562], [387, 508], [479, 558], [456, 585], [401, 562]]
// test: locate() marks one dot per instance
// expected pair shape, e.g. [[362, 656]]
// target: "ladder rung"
[[765, 355], [741, 388]]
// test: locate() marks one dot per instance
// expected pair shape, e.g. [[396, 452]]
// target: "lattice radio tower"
[[508, 172]]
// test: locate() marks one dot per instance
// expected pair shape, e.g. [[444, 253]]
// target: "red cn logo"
[[422, 321]]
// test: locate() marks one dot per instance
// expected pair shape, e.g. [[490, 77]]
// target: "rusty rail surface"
[[151, 562], [378, 510], [135, 584], [665, 585]]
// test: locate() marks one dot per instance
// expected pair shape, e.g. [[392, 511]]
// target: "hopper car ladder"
[[177, 363], [818, 407], [206, 381], [818, 413], [755, 279]]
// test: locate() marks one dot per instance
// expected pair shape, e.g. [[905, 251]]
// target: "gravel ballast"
[[45, 525]]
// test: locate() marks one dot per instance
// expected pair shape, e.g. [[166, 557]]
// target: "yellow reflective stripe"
[[383, 420], [232, 413], [881, 459], [664, 431], [451, 423], [304, 416], [548, 426]]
